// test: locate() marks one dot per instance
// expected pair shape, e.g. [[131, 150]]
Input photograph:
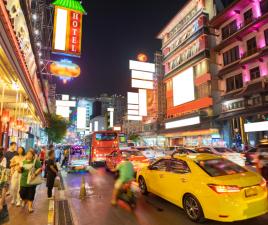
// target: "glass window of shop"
[[201, 68], [231, 55], [254, 73]]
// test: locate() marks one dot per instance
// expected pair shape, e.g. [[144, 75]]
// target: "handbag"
[[37, 179], [4, 215], [57, 182]]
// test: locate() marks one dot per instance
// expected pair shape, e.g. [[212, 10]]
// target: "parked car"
[[227, 153], [134, 156], [206, 186], [151, 153]]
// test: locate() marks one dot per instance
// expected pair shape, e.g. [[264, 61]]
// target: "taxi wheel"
[[193, 208], [143, 186]]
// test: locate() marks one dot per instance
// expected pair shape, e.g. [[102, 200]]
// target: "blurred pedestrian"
[[66, 157], [52, 171], [27, 191], [15, 164], [3, 186], [57, 154], [42, 155]]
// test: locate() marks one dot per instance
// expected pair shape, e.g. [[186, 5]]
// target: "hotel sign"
[[67, 35]]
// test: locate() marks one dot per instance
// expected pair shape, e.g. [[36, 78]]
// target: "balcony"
[[242, 30], [250, 53]]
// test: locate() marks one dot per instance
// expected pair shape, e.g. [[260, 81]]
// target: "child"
[[52, 171]]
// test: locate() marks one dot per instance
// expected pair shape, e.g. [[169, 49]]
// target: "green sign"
[[70, 4]]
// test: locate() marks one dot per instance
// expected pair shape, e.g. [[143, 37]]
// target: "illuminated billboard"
[[81, 117], [65, 103], [134, 118], [183, 87], [183, 122], [67, 34], [141, 75], [133, 112], [133, 98], [63, 111], [142, 66], [143, 84], [129, 106], [65, 68], [142, 102], [258, 126]]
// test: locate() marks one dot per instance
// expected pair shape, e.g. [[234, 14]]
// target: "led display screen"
[[183, 87], [258, 126], [135, 74], [183, 122], [134, 118], [142, 102], [142, 66], [142, 84], [133, 98], [81, 117]]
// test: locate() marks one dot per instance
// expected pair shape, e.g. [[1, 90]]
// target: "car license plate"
[[251, 192]]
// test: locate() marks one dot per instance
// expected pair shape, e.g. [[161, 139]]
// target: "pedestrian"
[[12, 151], [42, 155], [3, 186], [15, 164], [57, 154], [27, 191], [66, 157], [52, 171]]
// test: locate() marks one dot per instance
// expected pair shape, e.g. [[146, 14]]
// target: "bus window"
[[106, 136]]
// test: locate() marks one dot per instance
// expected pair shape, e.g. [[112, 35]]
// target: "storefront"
[[22, 99]]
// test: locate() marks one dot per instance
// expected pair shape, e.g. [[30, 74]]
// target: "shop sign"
[[255, 127], [67, 34], [22, 33]]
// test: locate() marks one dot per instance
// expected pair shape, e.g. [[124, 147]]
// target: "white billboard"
[[134, 118], [135, 74], [142, 84], [61, 31], [129, 106], [81, 117], [133, 98], [183, 87], [65, 103], [63, 111], [96, 125], [133, 112], [258, 126], [183, 122], [142, 66], [142, 102]]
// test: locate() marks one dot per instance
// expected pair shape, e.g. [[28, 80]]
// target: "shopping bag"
[[34, 180], [57, 182]]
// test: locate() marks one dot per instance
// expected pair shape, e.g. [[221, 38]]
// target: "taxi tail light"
[[224, 188], [263, 183]]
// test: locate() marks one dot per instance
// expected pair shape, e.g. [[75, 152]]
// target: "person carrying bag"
[[30, 178]]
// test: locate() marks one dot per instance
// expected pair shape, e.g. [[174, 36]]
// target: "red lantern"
[[5, 116], [12, 122], [19, 124]]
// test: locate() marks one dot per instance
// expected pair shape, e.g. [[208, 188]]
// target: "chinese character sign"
[[67, 31]]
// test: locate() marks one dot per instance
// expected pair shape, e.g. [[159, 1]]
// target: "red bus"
[[102, 143]]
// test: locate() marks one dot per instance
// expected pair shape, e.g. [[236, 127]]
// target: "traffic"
[[207, 182]]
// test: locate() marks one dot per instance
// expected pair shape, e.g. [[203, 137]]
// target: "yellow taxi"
[[206, 186]]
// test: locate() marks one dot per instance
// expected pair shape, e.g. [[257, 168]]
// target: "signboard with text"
[[67, 34]]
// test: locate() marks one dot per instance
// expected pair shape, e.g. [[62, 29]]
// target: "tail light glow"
[[224, 188]]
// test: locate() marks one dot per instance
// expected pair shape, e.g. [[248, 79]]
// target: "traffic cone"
[[83, 191]]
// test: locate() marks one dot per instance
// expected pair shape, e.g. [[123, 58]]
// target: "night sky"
[[115, 31]]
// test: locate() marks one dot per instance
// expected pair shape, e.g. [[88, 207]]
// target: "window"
[[203, 90], [248, 16], [106, 136], [251, 46], [178, 166], [233, 83], [220, 167], [203, 150], [266, 36], [161, 165], [228, 30], [231, 55], [254, 73]]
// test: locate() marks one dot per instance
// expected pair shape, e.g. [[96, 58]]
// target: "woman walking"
[[27, 191], [15, 164], [52, 171], [3, 186]]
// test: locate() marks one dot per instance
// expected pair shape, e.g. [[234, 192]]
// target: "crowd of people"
[[22, 171]]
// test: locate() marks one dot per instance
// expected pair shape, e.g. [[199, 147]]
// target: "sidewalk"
[[19, 215]]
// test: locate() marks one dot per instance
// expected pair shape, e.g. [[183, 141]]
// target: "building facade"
[[190, 82], [23, 91], [241, 54]]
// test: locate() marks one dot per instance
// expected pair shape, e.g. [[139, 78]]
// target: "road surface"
[[151, 210]]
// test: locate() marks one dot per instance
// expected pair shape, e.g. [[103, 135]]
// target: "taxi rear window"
[[220, 167]]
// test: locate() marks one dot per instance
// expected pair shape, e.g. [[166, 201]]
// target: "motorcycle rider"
[[126, 174]]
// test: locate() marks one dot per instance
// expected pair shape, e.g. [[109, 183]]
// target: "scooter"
[[128, 194]]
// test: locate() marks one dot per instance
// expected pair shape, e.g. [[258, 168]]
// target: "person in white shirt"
[[3, 178]]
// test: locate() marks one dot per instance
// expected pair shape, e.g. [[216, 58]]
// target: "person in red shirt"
[[43, 154]]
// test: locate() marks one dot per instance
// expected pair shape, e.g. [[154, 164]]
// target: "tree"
[[57, 128], [134, 137]]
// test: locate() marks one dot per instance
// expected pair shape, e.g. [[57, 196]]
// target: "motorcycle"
[[128, 194]]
